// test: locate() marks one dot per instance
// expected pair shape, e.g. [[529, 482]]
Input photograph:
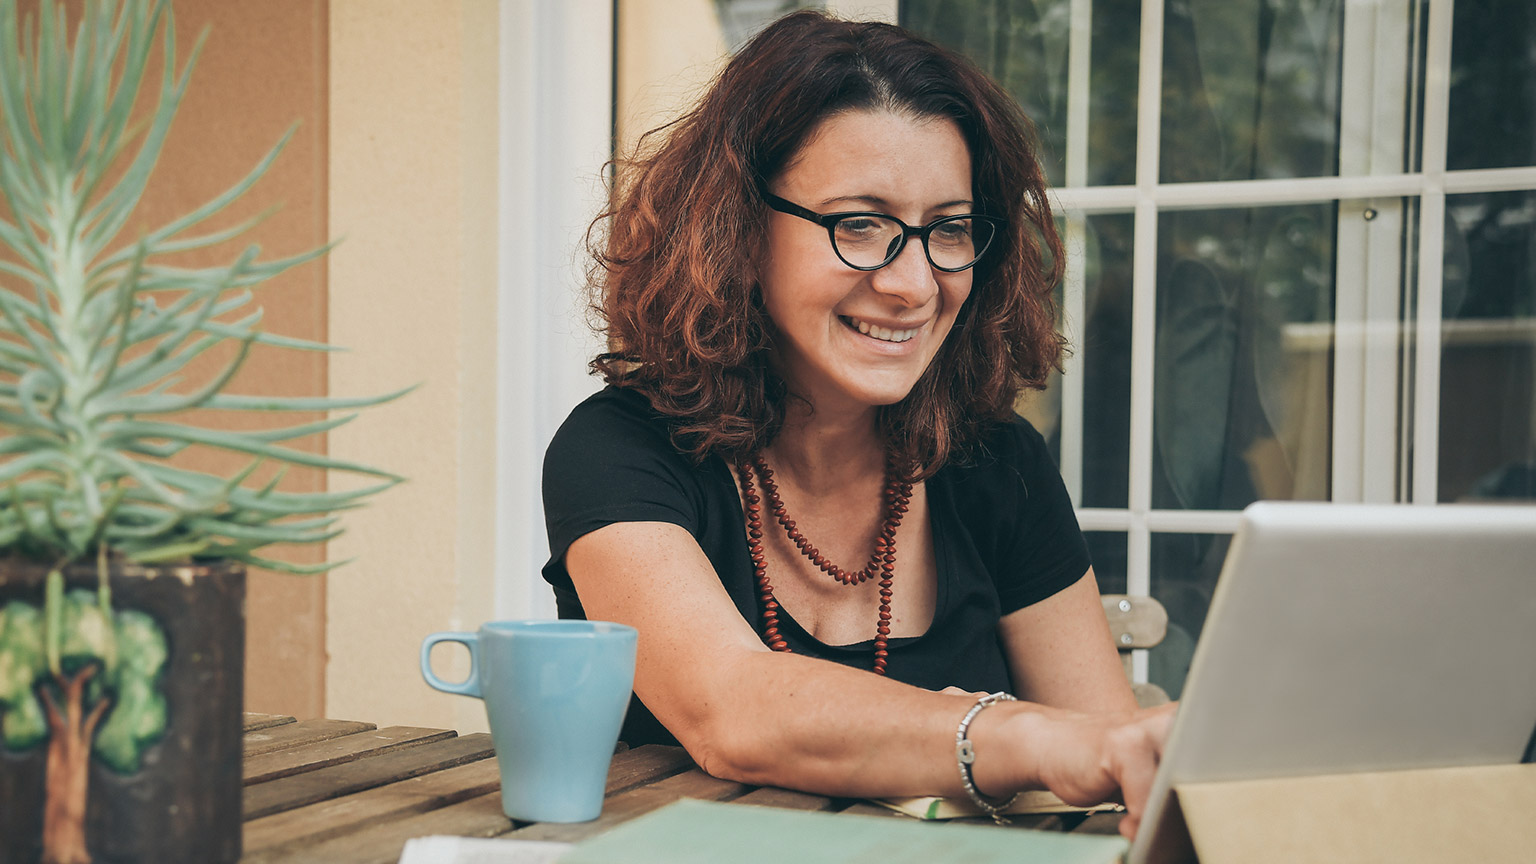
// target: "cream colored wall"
[[412, 294], [668, 50]]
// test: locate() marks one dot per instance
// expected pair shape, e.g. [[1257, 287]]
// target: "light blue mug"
[[555, 693]]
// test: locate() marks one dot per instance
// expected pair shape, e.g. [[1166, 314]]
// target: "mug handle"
[[469, 686]]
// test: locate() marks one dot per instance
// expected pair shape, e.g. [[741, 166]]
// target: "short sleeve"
[[1041, 549], [612, 461]]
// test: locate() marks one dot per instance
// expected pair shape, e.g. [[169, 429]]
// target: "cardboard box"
[[1480, 813]]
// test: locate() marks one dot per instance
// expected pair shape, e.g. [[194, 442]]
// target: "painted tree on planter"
[[97, 334], [91, 687]]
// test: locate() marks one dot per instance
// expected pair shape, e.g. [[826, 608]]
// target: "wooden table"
[[344, 792]]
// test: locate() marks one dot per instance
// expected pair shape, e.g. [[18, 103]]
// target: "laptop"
[[1356, 637]]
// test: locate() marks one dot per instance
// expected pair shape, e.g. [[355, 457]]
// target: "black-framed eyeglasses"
[[869, 240]]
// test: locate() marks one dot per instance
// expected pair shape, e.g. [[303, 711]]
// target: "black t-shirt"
[[1004, 537]]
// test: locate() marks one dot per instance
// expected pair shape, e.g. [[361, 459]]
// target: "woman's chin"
[[881, 394]]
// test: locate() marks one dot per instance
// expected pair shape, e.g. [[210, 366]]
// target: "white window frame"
[[556, 131], [1370, 403]]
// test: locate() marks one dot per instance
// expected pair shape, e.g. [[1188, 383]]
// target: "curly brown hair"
[[674, 276]]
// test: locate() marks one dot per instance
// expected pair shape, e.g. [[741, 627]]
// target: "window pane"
[[1250, 89], [1242, 373], [1107, 550], [1184, 572], [1023, 45], [1488, 348], [1106, 352], [1493, 85], [741, 19]]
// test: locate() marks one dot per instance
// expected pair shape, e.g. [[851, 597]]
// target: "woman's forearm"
[[797, 722]]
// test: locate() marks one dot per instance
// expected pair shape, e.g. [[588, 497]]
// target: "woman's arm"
[[1061, 653], [748, 714]]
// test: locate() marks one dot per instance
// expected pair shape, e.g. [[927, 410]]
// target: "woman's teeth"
[[884, 334]]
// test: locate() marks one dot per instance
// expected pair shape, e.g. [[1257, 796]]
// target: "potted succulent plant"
[[121, 568]]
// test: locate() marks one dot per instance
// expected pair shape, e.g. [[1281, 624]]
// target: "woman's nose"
[[909, 278]]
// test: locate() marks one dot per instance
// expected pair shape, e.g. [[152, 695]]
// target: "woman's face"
[[863, 338]]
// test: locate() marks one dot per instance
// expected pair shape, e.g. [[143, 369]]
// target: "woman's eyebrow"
[[885, 205]]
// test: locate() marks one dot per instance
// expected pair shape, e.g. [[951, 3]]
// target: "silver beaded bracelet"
[[965, 754]]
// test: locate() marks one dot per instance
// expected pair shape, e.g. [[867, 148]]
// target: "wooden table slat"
[[275, 796], [637, 802], [274, 738], [323, 754], [253, 721], [344, 793], [380, 840], [267, 837], [645, 764]]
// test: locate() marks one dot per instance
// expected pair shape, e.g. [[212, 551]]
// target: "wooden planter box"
[[183, 804]]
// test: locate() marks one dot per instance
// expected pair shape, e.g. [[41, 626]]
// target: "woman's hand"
[[1087, 759]]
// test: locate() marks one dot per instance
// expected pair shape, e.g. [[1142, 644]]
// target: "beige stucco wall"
[[667, 52], [412, 294]]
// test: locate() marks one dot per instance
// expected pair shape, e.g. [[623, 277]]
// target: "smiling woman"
[[823, 289]]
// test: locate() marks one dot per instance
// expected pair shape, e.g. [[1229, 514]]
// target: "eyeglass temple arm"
[[792, 208]]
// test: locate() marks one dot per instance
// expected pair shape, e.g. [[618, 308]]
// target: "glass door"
[[1299, 261]]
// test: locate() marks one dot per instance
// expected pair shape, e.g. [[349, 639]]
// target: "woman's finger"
[[1139, 750]]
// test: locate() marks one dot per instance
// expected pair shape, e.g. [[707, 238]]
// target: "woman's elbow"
[[723, 748]]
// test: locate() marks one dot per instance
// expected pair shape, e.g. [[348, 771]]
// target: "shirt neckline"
[[943, 568]]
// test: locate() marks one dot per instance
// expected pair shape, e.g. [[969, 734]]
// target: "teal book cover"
[[707, 832]]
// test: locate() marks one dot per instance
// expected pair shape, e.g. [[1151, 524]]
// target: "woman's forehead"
[[878, 154]]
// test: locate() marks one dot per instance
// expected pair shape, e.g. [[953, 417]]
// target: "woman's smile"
[[876, 331]]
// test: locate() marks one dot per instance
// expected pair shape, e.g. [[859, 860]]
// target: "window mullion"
[[1075, 286], [1144, 300], [1426, 398], [1383, 151]]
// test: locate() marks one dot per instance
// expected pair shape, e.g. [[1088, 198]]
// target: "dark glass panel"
[[1023, 45], [1107, 549], [1184, 572], [1488, 348], [1250, 89], [1493, 85], [1242, 376]]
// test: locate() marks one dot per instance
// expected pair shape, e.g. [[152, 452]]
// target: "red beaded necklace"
[[898, 495]]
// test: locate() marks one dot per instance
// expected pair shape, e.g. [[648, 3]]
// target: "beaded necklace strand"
[[898, 496]]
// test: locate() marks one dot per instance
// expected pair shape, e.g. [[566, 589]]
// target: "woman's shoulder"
[[1013, 442], [613, 427], [614, 412]]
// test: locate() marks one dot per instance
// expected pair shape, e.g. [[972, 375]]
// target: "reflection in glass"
[[1023, 45], [1493, 85], [1106, 352], [1103, 341], [1184, 572], [1107, 550], [1251, 89], [1241, 378], [741, 19], [1488, 348]]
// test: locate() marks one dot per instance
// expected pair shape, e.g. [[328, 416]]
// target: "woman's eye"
[[859, 226], [953, 232]]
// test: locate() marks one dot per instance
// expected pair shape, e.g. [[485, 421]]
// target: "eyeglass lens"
[[872, 241]]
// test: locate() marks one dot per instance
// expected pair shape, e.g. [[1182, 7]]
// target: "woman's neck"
[[823, 451]]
